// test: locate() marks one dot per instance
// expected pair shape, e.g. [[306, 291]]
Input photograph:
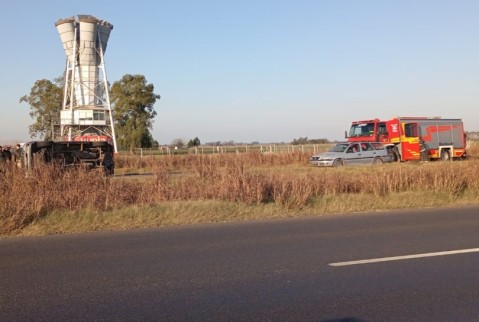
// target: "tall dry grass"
[[253, 179]]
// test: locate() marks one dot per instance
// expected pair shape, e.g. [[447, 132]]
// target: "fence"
[[473, 149], [267, 148]]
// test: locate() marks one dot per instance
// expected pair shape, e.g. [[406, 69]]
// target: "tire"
[[108, 164], [338, 163], [110, 170], [445, 155], [377, 160], [394, 153]]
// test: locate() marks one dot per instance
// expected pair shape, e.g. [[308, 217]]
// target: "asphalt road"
[[418, 265]]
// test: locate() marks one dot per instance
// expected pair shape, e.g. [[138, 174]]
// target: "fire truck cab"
[[414, 138]]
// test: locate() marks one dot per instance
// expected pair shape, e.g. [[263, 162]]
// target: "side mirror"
[[346, 134]]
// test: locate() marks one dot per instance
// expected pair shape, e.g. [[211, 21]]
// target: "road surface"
[[420, 265]]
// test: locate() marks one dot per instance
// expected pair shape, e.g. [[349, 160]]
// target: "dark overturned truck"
[[69, 154]]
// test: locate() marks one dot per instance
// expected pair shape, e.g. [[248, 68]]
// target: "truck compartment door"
[[410, 147]]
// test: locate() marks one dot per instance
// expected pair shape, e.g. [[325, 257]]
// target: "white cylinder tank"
[[66, 29], [84, 40]]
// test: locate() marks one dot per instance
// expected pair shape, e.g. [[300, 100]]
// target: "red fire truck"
[[407, 138]]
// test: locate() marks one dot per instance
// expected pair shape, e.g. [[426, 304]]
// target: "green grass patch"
[[176, 213]]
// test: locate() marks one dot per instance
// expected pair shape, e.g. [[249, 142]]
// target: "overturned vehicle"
[[67, 154]]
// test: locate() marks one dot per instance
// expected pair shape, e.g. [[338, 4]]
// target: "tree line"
[[132, 100], [305, 140]]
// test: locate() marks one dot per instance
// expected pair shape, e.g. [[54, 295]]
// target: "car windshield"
[[341, 147]]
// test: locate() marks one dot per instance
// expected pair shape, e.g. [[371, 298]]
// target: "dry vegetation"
[[205, 188]]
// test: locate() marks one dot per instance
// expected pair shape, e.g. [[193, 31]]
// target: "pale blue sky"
[[260, 70]]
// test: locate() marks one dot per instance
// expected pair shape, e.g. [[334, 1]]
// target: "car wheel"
[[338, 163], [378, 160]]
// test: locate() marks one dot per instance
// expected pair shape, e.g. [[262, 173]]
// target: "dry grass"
[[209, 188]]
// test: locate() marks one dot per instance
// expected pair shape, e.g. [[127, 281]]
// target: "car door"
[[367, 153], [353, 154]]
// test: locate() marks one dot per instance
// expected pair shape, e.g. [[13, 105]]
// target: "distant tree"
[[133, 100], [194, 142], [178, 143], [45, 100], [300, 140], [318, 141], [146, 140], [305, 140], [472, 136]]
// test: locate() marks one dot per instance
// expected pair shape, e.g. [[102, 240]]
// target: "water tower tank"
[[86, 112]]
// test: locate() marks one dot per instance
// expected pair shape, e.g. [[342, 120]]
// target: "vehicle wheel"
[[110, 170], [445, 155], [338, 163], [378, 160], [108, 164], [394, 153]]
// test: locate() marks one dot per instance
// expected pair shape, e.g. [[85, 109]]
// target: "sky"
[[260, 70]]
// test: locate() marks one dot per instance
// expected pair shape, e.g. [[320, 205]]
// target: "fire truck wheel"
[[445, 155], [378, 160], [337, 163]]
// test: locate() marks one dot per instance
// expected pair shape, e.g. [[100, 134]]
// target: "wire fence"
[[472, 145], [267, 148]]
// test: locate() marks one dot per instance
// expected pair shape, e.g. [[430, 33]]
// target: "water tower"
[[86, 112]]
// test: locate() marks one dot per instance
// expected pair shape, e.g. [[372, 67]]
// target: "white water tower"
[[86, 112]]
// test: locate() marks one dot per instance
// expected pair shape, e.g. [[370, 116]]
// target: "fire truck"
[[414, 138]]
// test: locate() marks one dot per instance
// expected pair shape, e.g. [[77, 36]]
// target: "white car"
[[350, 153]]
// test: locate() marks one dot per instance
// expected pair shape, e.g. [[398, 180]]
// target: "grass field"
[[195, 188]]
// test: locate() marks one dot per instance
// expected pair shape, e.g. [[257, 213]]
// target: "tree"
[[305, 140], [45, 102], [178, 143], [133, 100], [300, 140], [155, 144], [194, 142]]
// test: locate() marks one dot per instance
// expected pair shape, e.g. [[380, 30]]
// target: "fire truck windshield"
[[361, 130]]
